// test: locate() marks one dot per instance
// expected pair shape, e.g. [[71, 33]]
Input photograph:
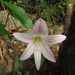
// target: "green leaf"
[[4, 73], [7, 38], [19, 73], [27, 73], [19, 1], [42, 61], [3, 31], [20, 14], [17, 65], [55, 28], [1, 0]]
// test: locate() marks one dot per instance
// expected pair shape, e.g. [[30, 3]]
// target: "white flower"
[[38, 42]]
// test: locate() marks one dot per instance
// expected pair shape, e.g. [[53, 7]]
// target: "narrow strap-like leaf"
[[20, 14], [3, 31]]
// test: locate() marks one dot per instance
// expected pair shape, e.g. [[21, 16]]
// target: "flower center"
[[37, 38]]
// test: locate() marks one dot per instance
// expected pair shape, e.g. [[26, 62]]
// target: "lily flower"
[[38, 42]]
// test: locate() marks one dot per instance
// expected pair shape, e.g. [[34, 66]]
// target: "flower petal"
[[23, 37], [53, 39], [40, 27], [37, 56], [28, 52], [47, 53]]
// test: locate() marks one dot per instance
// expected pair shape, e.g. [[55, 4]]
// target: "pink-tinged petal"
[[40, 27], [23, 37], [37, 56], [54, 39], [28, 52], [47, 53]]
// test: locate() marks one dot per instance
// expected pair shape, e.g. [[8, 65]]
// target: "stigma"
[[37, 38]]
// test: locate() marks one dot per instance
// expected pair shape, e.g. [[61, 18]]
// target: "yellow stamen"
[[22, 50]]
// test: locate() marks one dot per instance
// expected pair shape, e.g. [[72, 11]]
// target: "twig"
[[1, 54], [13, 21], [6, 19], [36, 15], [3, 5]]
